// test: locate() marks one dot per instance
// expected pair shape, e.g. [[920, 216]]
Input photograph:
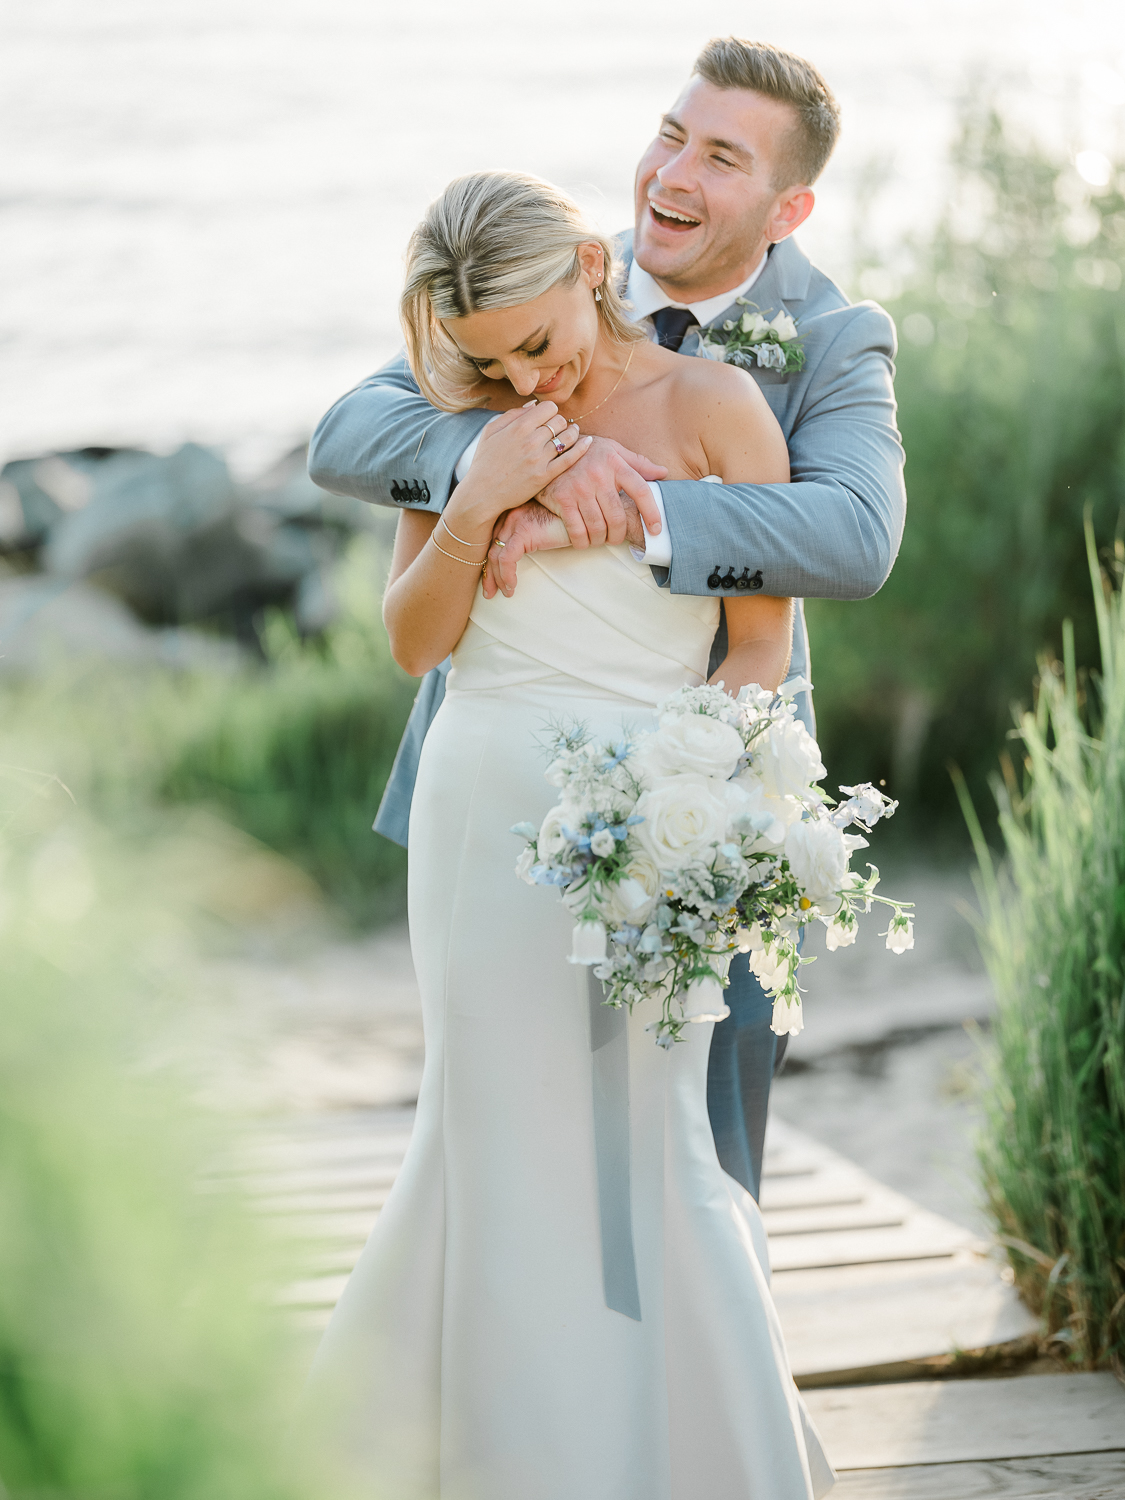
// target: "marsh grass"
[[1052, 1151]]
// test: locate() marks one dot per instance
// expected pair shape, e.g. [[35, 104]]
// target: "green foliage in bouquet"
[[1053, 1147], [1011, 390]]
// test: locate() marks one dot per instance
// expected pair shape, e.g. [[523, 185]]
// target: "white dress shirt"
[[645, 297]]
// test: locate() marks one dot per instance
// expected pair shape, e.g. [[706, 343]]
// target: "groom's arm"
[[385, 443], [834, 531]]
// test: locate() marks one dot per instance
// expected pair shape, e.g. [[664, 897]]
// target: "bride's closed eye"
[[483, 364]]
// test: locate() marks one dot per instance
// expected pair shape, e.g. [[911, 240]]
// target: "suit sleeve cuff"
[[657, 550]]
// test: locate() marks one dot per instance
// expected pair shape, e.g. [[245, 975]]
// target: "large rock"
[[47, 622]]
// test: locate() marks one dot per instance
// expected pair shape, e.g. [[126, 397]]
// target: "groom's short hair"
[[730, 63]]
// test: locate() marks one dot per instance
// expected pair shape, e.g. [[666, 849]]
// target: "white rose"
[[789, 759], [695, 742], [552, 840], [524, 864], [602, 843], [767, 817], [632, 898], [787, 1018], [900, 938], [703, 1001], [784, 326], [713, 351], [818, 857], [754, 324], [684, 818]]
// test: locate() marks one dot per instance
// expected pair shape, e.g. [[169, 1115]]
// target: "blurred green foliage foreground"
[[141, 1357], [1011, 388], [295, 752], [1053, 1146]]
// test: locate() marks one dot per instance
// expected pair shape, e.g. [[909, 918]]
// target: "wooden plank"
[[961, 1421], [313, 1291], [840, 1322], [923, 1236], [823, 1219], [330, 1201], [1086, 1476]]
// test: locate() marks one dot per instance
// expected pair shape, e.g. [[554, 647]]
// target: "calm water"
[[204, 202]]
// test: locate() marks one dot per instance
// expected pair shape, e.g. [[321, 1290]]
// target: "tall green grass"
[[1011, 390], [1053, 1146]]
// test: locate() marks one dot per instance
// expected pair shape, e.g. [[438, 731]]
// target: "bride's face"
[[541, 348]]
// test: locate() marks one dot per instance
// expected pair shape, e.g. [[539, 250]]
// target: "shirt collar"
[[645, 296]]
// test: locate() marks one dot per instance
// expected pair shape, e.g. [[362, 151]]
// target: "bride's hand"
[[528, 528], [519, 454]]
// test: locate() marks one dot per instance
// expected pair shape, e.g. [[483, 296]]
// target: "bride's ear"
[[591, 258]]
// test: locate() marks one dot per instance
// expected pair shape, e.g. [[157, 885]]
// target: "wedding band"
[[499, 543], [549, 429]]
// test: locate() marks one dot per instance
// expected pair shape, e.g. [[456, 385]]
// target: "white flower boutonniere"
[[754, 341]]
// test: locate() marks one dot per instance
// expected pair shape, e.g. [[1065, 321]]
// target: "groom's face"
[[706, 189]]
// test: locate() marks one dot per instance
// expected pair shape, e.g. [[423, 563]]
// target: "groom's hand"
[[588, 498], [528, 528]]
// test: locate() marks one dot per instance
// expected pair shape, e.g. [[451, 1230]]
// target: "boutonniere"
[[754, 341]]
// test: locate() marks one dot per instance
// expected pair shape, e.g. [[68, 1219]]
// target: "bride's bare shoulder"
[[730, 415]]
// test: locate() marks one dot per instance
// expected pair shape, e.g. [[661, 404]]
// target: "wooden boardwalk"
[[870, 1289]]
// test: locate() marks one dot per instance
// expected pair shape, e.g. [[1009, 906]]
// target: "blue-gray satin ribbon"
[[609, 1044]]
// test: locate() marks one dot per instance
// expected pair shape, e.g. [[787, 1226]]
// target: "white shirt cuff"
[[466, 458], [657, 551]]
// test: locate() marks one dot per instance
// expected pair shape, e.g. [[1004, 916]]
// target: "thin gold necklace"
[[583, 415]]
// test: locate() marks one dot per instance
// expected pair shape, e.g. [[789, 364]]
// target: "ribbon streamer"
[[609, 1045]]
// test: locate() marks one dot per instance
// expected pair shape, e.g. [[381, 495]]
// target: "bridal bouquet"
[[677, 847]]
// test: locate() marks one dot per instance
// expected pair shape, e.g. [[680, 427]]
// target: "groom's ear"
[[790, 210]]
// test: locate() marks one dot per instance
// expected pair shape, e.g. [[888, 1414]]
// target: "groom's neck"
[[702, 283]]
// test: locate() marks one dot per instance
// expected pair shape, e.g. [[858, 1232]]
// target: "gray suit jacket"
[[832, 533]]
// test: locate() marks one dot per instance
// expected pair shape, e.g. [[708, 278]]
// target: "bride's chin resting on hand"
[[438, 560]]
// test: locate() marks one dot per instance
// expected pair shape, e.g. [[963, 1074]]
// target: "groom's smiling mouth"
[[672, 218]]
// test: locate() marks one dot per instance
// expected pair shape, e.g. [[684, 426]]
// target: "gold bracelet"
[[455, 537], [468, 563]]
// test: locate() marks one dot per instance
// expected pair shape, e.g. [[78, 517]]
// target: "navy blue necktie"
[[671, 323]]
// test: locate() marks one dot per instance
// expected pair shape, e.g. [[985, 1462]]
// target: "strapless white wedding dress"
[[473, 1355]]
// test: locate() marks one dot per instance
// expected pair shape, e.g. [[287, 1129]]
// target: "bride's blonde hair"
[[494, 239]]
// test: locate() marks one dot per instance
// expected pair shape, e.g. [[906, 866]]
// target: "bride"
[[564, 1298]]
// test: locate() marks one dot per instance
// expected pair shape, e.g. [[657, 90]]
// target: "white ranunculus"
[[713, 351], [818, 857], [684, 817], [784, 326], [552, 841], [696, 742], [754, 325], [789, 760], [787, 1018], [631, 899], [840, 934], [588, 944], [901, 939], [602, 843], [524, 864], [703, 1000]]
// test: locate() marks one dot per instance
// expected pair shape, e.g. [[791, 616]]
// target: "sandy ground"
[[884, 1071]]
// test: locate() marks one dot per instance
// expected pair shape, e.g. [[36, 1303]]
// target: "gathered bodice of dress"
[[596, 617]]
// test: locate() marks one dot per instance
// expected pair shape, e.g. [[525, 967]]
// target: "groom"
[[718, 193]]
